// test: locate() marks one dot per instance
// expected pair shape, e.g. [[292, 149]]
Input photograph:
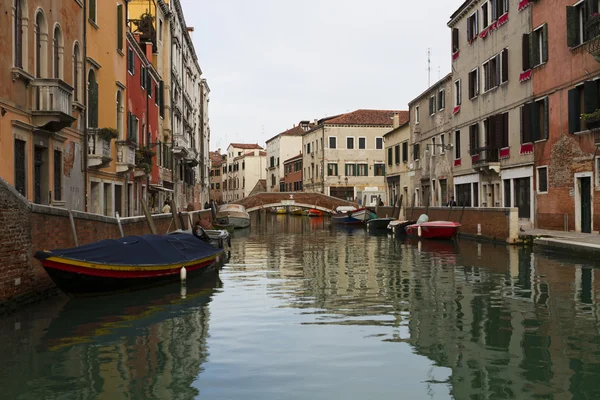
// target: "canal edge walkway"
[[561, 241]]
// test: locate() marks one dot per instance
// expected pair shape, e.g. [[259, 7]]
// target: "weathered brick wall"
[[27, 228]]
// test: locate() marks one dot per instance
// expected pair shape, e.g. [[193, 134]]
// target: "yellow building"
[[105, 74]]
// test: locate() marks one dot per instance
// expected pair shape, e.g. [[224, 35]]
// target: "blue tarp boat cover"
[[146, 250]]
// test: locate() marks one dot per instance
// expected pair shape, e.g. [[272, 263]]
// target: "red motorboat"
[[434, 230]]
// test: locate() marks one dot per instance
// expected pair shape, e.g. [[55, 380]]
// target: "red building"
[[292, 169], [566, 163], [143, 99]]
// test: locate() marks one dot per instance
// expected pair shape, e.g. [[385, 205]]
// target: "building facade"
[[248, 171], [42, 100], [279, 148], [292, 170], [217, 161], [397, 172], [566, 158], [493, 156], [432, 159], [231, 171], [343, 156]]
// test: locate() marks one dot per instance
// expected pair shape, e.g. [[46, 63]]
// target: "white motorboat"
[[233, 214]]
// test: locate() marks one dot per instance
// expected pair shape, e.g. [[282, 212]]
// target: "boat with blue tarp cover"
[[117, 264]]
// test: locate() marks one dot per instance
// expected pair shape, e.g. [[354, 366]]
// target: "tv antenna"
[[428, 66]]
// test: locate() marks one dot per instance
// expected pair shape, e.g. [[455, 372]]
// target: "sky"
[[272, 63]]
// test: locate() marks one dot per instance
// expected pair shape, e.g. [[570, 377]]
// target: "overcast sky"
[[272, 63]]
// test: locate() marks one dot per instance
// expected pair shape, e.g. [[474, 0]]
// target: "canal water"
[[303, 310]]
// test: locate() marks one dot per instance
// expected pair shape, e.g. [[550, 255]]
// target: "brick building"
[[217, 161], [567, 161], [292, 169]]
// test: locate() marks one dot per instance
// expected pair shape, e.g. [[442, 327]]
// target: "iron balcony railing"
[[484, 155]]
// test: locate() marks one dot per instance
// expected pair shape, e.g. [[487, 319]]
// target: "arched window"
[[18, 34], [92, 10], [120, 110], [57, 52], [76, 73], [92, 106], [41, 45]]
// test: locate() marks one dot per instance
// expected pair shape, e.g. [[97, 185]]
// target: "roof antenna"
[[428, 66]]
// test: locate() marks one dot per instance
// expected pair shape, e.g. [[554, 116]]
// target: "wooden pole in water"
[[412, 210], [377, 206], [73, 228], [449, 213], [364, 204], [462, 212], [149, 218], [399, 207], [119, 223], [427, 205], [174, 215], [394, 206]]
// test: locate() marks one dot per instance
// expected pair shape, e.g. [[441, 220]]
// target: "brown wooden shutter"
[[525, 53], [498, 64], [546, 132], [574, 113], [526, 136], [498, 131], [572, 26], [504, 65], [18, 34], [534, 49], [92, 5], [545, 43], [505, 130], [455, 42], [590, 97], [469, 29], [535, 121]]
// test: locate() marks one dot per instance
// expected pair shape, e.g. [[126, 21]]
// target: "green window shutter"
[[526, 136], [590, 97], [535, 121], [120, 27], [525, 53], [545, 43], [161, 93], [504, 65], [572, 26], [92, 5], [574, 107], [534, 50], [546, 119]]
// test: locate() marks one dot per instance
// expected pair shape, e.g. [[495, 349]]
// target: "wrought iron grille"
[[57, 175], [20, 170], [593, 31], [37, 175]]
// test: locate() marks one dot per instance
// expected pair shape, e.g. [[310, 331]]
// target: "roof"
[[456, 13], [297, 130], [298, 157], [245, 146], [368, 117], [432, 88], [396, 129], [216, 158], [261, 187], [251, 154]]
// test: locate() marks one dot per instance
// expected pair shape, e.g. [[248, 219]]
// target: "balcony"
[[593, 29], [52, 106], [125, 156], [487, 156], [98, 149], [180, 146]]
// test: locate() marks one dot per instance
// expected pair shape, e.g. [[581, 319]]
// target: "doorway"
[[585, 185], [523, 197], [38, 162]]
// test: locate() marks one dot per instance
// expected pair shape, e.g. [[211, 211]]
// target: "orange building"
[[292, 169], [567, 162], [41, 96]]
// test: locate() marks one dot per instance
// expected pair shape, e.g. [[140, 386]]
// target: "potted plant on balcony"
[[108, 134], [592, 120], [143, 161]]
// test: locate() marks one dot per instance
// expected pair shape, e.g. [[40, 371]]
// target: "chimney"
[[136, 36], [305, 125], [190, 30], [149, 51], [396, 121]]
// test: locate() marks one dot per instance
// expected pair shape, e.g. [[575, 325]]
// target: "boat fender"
[[183, 291], [419, 230], [183, 274]]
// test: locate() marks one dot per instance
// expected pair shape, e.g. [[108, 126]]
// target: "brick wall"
[[26, 228]]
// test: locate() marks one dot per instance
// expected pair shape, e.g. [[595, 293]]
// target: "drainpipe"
[[85, 98]]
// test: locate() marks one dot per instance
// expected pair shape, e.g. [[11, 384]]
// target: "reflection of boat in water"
[[313, 212], [89, 321], [119, 264], [435, 246]]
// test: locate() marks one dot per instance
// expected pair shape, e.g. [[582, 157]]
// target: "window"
[[218, 186], [432, 146], [535, 47], [457, 94], [379, 169], [416, 152], [542, 179], [161, 102], [379, 143], [389, 158], [18, 33], [120, 27], [350, 169], [455, 40], [41, 53], [576, 24], [20, 167], [92, 103], [501, 8], [417, 117], [485, 12], [504, 66], [405, 151], [149, 84], [363, 169], [474, 83], [308, 148], [349, 143], [332, 169], [156, 94], [473, 26], [491, 73], [130, 61], [534, 121], [132, 127], [441, 99], [474, 138], [457, 145], [443, 143], [397, 154], [76, 72], [92, 10], [362, 143], [579, 103], [432, 105], [143, 77], [332, 142]]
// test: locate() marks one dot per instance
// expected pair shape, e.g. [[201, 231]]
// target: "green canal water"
[[303, 310]]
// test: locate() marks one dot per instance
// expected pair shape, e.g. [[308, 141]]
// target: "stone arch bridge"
[[297, 199]]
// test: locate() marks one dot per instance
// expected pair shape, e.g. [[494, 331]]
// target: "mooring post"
[[394, 206], [399, 207], [73, 228], [377, 206], [119, 223], [148, 217]]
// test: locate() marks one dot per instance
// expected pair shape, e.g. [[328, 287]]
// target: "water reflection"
[[308, 310]]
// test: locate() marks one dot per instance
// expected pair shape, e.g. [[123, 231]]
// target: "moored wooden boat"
[[398, 227], [118, 264], [224, 227], [313, 212], [378, 223], [434, 230], [234, 214]]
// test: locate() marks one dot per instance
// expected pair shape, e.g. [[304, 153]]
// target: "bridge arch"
[[317, 201]]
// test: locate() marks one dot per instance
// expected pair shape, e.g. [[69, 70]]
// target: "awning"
[[160, 188]]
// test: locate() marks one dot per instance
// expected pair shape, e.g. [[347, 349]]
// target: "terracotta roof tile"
[[299, 156], [245, 146], [368, 117], [297, 130]]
